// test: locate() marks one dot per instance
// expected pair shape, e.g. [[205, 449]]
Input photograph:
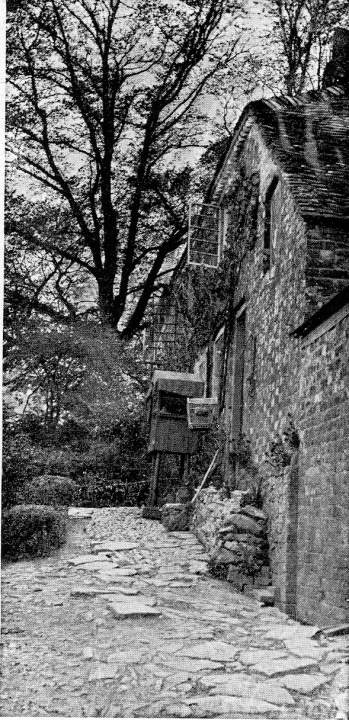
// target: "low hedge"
[[53, 490], [32, 530]]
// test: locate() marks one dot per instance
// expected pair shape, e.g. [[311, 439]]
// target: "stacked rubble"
[[175, 516], [212, 512], [234, 533]]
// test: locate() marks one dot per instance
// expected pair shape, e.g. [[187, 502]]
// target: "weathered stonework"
[[234, 534], [175, 516], [305, 500], [294, 261], [323, 505]]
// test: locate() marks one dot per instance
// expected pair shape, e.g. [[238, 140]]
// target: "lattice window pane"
[[203, 235]]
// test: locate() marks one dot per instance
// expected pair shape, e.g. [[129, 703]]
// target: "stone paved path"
[[193, 648]]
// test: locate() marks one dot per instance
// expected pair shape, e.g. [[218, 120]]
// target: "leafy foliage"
[[52, 490], [106, 101], [108, 467], [31, 530], [301, 34], [283, 445], [21, 461], [200, 298], [82, 374]]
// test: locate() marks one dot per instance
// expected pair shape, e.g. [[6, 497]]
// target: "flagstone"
[[117, 573], [342, 677], [178, 678], [177, 710], [126, 590], [97, 565], [288, 632], [243, 685], [87, 559], [124, 657], [198, 567], [104, 672], [251, 657], [131, 608], [212, 650], [223, 705], [303, 683], [301, 646], [284, 665], [114, 546], [192, 665]]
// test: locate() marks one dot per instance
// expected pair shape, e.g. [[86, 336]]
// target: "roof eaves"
[[332, 306]]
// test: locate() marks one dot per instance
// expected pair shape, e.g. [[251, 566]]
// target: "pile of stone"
[[176, 516], [234, 533], [244, 549], [212, 512]]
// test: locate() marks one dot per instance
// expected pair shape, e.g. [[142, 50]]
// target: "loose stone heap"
[[234, 534], [175, 516]]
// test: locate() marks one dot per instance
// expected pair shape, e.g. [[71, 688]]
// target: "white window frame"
[[191, 233]]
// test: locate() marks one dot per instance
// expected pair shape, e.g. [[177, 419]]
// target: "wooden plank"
[[154, 479], [206, 476]]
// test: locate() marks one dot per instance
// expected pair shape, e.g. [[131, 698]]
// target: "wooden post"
[[181, 468], [186, 477], [154, 479]]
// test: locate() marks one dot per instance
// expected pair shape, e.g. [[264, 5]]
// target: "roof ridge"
[[282, 101]]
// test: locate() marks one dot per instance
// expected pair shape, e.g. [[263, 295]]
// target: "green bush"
[[31, 530], [51, 490], [21, 461], [110, 467]]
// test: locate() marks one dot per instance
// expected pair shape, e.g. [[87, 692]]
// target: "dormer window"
[[269, 224]]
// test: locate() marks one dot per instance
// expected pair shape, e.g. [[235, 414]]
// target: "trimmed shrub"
[[32, 530], [21, 461], [51, 490]]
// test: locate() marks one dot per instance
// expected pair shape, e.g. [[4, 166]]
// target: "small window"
[[203, 234], [269, 224]]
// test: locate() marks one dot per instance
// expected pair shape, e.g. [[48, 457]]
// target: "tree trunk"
[[106, 301]]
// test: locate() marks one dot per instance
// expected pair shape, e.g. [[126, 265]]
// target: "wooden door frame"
[[230, 395]]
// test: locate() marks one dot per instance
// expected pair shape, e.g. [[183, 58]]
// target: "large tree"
[[106, 100], [301, 36]]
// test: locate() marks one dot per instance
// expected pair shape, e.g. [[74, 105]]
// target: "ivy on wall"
[[203, 298]]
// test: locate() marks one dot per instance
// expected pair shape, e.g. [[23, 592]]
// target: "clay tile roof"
[[309, 139]]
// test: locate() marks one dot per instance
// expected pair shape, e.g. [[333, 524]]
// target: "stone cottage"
[[278, 358]]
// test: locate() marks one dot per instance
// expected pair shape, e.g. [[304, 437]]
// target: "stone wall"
[[275, 504], [327, 264], [211, 512], [234, 534], [309, 263], [323, 504]]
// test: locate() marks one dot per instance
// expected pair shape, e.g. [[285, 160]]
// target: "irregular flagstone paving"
[[126, 622]]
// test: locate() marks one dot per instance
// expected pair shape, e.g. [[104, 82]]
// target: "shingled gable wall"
[[310, 261]]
